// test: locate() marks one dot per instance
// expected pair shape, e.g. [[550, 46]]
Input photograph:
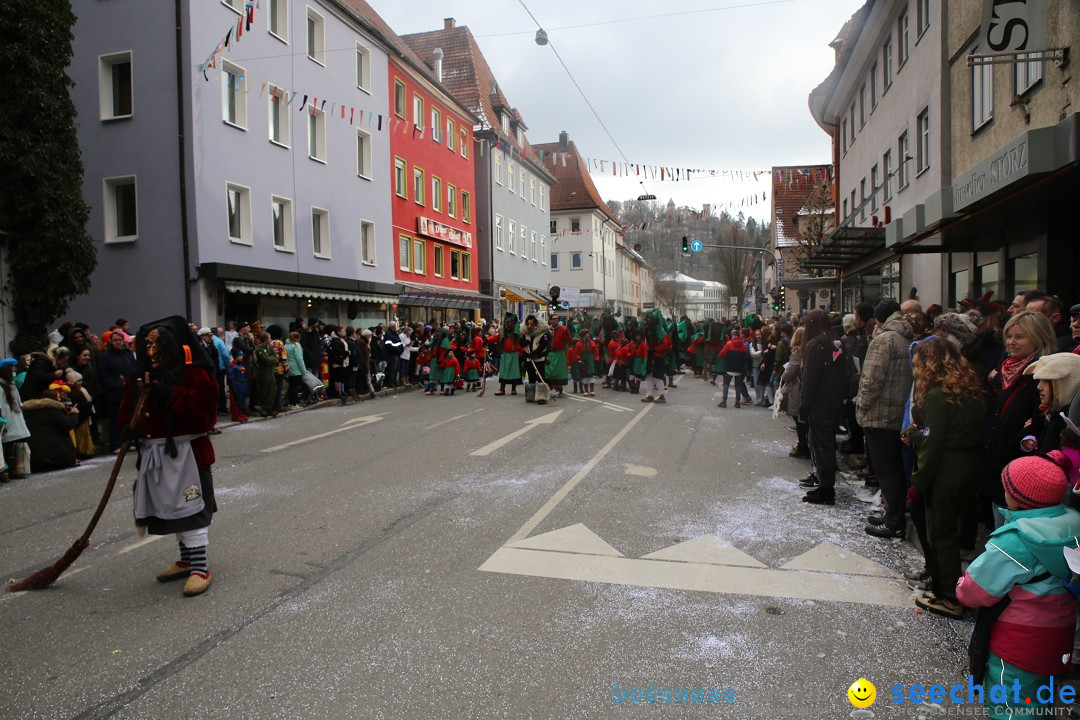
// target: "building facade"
[[513, 189], [253, 190]]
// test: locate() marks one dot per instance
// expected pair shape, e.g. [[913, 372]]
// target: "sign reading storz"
[[1029, 154], [1013, 26], [431, 228]]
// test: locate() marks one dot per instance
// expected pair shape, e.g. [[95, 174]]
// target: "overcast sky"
[[708, 88]]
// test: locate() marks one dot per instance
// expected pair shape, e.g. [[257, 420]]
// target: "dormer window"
[[520, 137], [506, 124]]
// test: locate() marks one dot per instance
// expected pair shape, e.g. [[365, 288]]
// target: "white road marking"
[[493, 446], [574, 539], [456, 417], [609, 406], [827, 557], [707, 549], [639, 470], [145, 541], [557, 498], [348, 425]]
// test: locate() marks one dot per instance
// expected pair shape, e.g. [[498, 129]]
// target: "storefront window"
[[1025, 272], [990, 280], [849, 300], [958, 290], [890, 281]]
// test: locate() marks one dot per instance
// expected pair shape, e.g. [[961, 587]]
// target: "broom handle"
[[85, 538]]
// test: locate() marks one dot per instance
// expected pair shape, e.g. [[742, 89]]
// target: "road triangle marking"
[[573, 539], [827, 557], [707, 549]]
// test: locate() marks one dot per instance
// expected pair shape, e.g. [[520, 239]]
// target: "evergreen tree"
[[41, 204]]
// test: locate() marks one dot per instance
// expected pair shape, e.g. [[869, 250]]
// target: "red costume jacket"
[[560, 339], [193, 403]]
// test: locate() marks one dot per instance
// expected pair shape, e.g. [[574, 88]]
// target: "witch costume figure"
[[174, 488]]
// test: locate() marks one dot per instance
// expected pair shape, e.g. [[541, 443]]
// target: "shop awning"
[[432, 296], [538, 298], [251, 288], [844, 246]]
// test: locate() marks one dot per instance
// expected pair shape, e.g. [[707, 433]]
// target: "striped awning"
[[249, 288]]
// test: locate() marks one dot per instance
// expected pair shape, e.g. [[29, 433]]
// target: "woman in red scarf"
[[1028, 336]]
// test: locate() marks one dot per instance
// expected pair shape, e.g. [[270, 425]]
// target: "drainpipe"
[[182, 162]]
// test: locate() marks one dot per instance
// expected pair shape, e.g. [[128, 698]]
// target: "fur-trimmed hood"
[[42, 404]]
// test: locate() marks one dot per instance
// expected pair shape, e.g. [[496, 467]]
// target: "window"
[[862, 106], [851, 116], [1027, 74], [854, 207], [982, 95], [873, 188], [363, 68], [277, 19], [316, 37], [922, 147], [363, 153], [405, 253], [575, 261], [466, 207], [463, 137], [316, 134], [436, 125], [511, 177], [367, 243], [554, 261], [237, 5], [121, 210], [511, 237], [886, 167], [522, 249], [862, 199], [902, 47], [238, 206], [522, 178], [873, 87], [281, 218], [419, 257], [451, 201], [886, 63], [401, 189], [845, 209], [280, 117], [553, 226], [542, 193], [233, 95], [543, 250], [843, 134], [532, 246], [115, 93], [498, 168], [532, 191], [575, 225], [902, 158], [399, 99], [505, 121], [450, 132], [436, 193], [466, 266], [922, 16], [455, 263], [418, 111], [498, 232], [439, 261], [418, 185], [320, 232]]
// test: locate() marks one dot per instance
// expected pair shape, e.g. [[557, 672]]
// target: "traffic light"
[[685, 244], [776, 307]]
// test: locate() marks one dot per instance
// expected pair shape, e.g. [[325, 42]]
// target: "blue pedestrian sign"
[[696, 246]]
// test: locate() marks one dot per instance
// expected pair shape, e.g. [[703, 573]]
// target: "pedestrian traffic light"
[[685, 244]]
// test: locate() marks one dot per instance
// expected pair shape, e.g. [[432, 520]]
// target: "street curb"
[[315, 406]]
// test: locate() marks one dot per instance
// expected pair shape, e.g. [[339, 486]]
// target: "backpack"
[[979, 645]]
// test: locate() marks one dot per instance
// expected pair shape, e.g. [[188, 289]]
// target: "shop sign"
[[1029, 154], [439, 231], [1013, 26]]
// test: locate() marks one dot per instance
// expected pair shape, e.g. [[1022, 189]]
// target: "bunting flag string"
[[231, 38]]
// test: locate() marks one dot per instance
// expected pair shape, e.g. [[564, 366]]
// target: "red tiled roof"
[[468, 76], [792, 188], [575, 189]]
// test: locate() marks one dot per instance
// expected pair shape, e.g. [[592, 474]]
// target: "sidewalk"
[[226, 422]]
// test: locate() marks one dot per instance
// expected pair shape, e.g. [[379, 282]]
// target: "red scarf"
[[1012, 369]]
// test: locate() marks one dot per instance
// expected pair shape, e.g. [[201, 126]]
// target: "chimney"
[[438, 53], [449, 23], [564, 141]]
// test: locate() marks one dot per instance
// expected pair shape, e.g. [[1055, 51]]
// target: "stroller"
[[313, 390]]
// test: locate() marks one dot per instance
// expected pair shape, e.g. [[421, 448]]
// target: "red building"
[[433, 186]]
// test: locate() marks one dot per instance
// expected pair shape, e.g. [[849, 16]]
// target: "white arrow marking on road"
[[351, 424], [493, 446], [609, 406], [139, 543], [456, 417]]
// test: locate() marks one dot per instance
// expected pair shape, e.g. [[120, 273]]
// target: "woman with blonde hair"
[[791, 381], [949, 415], [1015, 398]]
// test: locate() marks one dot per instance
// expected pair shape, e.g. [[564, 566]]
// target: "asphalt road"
[[431, 557]]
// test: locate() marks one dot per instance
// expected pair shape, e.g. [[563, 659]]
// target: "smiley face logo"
[[862, 693]]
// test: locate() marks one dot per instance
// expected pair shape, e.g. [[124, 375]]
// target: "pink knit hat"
[[1037, 481]]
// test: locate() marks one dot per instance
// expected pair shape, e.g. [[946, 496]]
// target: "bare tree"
[[670, 294], [814, 221], [736, 266]]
